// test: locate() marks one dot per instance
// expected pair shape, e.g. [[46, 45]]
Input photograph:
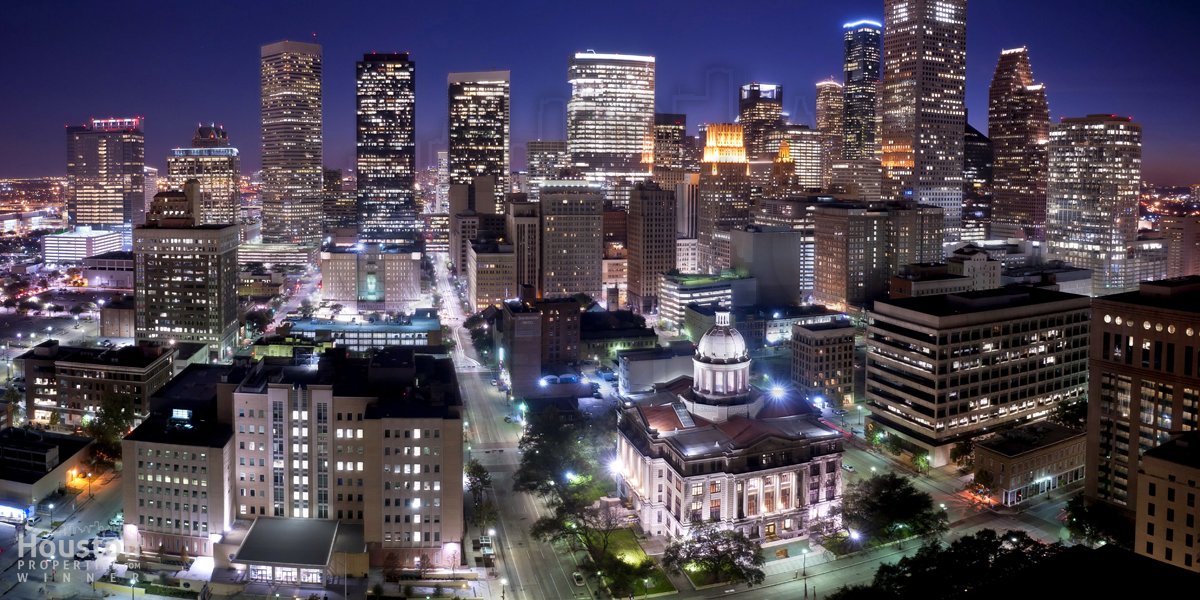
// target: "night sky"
[[177, 63]]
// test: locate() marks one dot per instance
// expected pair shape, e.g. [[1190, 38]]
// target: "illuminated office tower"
[[1092, 208], [479, 135], [805, 150], [149, 184], [572, 238], [442, 195], [291, 143], [860, 89], [215, 164], [760, 111], [1019, 127], [724, 194], [544, 160], [651, 243], [829, 125], [610, 116], [386, 108], [669, 133], [105, 173], [978, 159], [924, 79]]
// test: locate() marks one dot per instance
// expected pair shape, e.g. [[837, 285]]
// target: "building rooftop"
[[762, 312], [696, 279], [181, 428], [114, 255], [1080, 572], [134, 357], [827, 325], [684, 348], [26, 440], [1028, 438], [83, 232], [415, 323], [960, 303], [1182, 450], [612, 324], [1180, 294], [287, 541], [517, 306]]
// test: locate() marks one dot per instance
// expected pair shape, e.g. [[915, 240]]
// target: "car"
[[578, 577], [45, 535], [34, 520], [495, 382], [108, 533], [841, 412], [597, 395], [847, 467]]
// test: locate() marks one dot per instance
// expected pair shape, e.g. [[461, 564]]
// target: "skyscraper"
[[724, 195], [572, 238], [924, 80], [860, 89], [1092, 208], [479, 129], [186, 285], [610, 116], [669, 132], [1019, 127], [760, 111], [215, 164], [651, 243], [829, 124], [977, 185], [105, 173], [386, 117], [544, 160], [291, 142]]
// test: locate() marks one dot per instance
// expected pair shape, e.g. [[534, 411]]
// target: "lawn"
[[624, 546]]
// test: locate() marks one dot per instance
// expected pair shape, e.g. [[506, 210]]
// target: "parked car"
[[578, 577], [848, 467], [108, 533], [45, 535], [841, 412]]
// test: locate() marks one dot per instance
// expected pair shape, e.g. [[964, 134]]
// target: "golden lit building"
[[724, 195]]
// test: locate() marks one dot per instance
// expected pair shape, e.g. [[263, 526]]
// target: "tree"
[[55, 418], [1070, 414], [726, 554], [963, 454], [894, 444], [307, 309], [336, 308], [78, 310], [1096, 522], [10, 303], [478, 478], [485, 513], [887, 506], [423, 565], [258, 320], [391, 567], [113, 421]]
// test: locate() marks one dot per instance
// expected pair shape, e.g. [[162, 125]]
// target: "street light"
[[804, 562], [51, 515], [503, 582]]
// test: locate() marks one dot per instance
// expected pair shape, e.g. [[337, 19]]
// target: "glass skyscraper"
[[105, 173], [291, 143], [385, 100], [1019, 127], [479, 129], [610, 116], [760, 111], [215, 164], [860, 87]]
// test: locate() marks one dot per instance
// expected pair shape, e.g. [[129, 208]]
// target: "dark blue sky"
[[177, 63]]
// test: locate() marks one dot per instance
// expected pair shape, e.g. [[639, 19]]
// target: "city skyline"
[[1083, 74]]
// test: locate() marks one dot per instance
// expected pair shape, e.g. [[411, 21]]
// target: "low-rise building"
[[109, 270], [677, 290], [297, 255], [1023, 463], [1167, 506], [34, 465], [260, 283], [765, 328], [823, 360], [421, 328], [639, 370], [71, 247], [927, 279], [687, 255], [603, 333], [535, 333], [118, 319]]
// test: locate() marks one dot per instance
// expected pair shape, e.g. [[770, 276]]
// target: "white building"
[[687, 255], [372, 278], [714, 448], [72, 247]]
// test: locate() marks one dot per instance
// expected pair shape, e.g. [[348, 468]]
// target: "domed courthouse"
[[713, 447]]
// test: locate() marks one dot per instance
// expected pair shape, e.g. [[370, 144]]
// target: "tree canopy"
[[888, 506], [726, 554]]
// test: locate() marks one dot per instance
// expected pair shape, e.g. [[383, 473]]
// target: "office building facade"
[[105, 173], [385, 104], [651, 243], [724, 194], [830, 114], [479, 129], [610, 117], [216, 165], [1019, 127], [572, 238], [860, 88], [292, 143]]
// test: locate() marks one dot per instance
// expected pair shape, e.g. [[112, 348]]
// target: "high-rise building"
[[186, 285], [1182, 234], [572, 238], [920, 349], [442, 195], [479, 129], [291, 143], [544, 160], [215, 164], [977, 186], [804, 147], [724, 194], [1019, 127], [760, 111], [610, 116], [924, 115], [829, 125], [1144, 382], [372, 278], [106, 173], [859, 179], [651, 233], [1092, 208], [669, 132], [860, 89], [386, 125], [149, 184], [523, 224]]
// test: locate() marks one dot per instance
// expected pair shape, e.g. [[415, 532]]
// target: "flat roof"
[[162, 429], [1028, 438], [1182, 450], [114, 255], [19, 438], [136, 357], [413, 324], [1180, 294], [287, 541], [960, 303], [83, 233]]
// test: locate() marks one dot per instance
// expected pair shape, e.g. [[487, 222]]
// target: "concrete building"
[[1182, 235], [651, 243], [1144, 384], [860, 179], [687, 205], [467, 226], [291, 143], [118, 319], [639, 370], [713, 448], [677, 290], [572, 238], [774, 257], [109, 270], [372, 278], [687, 255], [823, 361], [544, 160], [724, 194], [277, 254], [73, 381], [604, 333], [420, 328], [1167, 511], [926, 279], [942, 369], [533, 334], [614, 280], [216, 165], [34, 465], [1022, 464], [72, 247], [829, 117], [491, 274], [479, 130], [976, 265], [523, 226], [1052, 275], [186, 288]]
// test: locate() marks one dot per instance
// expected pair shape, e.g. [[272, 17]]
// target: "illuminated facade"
[[544, 160], [669, 132], [479, 129], [105, 175], [386, 108], [1092, 211], [829, 125], [978, 178], [572, 239], [291, 143], [760, 111], [923, 111], [943, 369], [610, 117], [1019, 127], [860, 90], [724, 194], [651, 236], [186, 275], [215, 164], [372, 277]]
